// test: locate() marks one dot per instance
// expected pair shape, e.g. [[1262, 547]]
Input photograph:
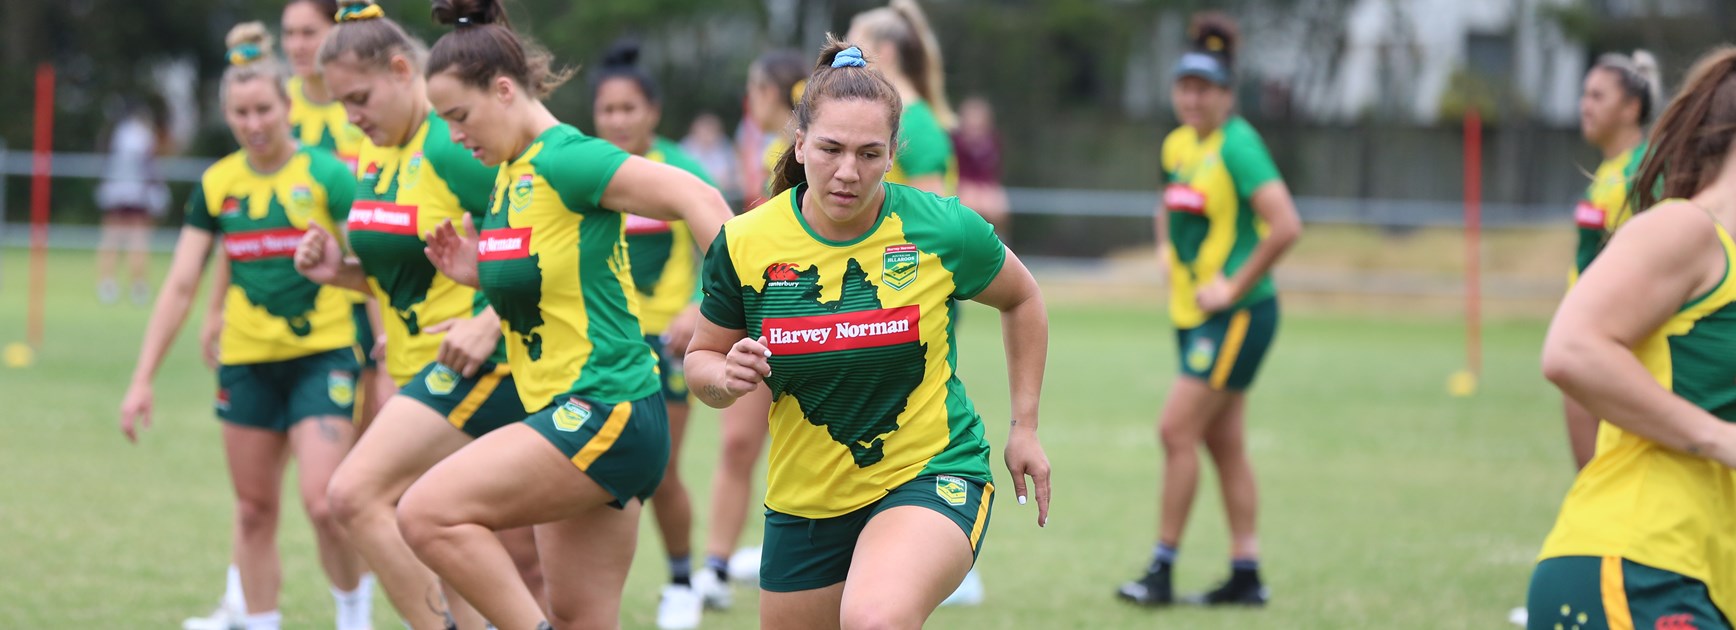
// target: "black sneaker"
[[1242, 589], [1151, 590]]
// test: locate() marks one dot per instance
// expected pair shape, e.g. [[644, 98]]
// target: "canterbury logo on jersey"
[[844, 331], [645, 225], [503, 244], [1184, 198], [382, 216], [245, 246], [1588, 216]]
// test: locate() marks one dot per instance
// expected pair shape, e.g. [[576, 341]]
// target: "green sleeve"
[[468, 179], [980, 253], [926, 149], [339, 184], [198, 213], [721, 286], [1246, 158], [579, 168], [677, 157]]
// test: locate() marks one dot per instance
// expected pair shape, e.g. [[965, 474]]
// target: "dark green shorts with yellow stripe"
[[1227, 350], [624, 447], [669, 371], [276, 395], [1593, 593], [364, 335], [486, 401], [801, 554]]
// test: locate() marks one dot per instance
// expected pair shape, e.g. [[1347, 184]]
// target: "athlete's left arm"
[[660, 191], [1025, 333], [1273, 203]]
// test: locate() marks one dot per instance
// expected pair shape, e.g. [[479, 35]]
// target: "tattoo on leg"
[[544, 626], [328, 431]]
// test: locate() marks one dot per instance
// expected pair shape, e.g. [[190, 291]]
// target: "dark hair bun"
[[624, 53], [474, 12], [1214, 32]]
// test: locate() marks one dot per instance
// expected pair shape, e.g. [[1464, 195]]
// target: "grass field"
[[1385, 503]]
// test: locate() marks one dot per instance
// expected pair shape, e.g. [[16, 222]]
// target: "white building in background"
[[1341, 60]]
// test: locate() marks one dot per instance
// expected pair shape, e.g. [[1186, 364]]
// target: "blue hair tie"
[[849, 58]]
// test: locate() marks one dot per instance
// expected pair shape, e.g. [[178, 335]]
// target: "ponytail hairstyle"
[[250, 57], [1640, 79], [786, 71], [903, 24], [840, 74], [369, 38], [622, 62], [1693, 135], [482, 46]]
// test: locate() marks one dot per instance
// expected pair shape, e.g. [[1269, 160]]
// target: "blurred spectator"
[[706, 142], [979, 164], [132, 197]]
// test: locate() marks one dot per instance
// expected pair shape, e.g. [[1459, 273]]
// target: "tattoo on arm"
[[714, 393]]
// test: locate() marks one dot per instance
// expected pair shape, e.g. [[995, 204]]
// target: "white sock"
[[232, 598], [355, 608], [264, 621]]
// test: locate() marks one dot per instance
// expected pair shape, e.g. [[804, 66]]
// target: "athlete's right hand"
[[210, 342], [318, 257], [746, 366], [454, 254], [136, 411]]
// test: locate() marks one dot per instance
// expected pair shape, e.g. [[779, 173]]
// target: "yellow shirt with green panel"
[[553, 262], [1605, 206], [323, 125], [1653, 505], [271, 313], [404, 192], [665, 267], [866, 395], [1213, 229]]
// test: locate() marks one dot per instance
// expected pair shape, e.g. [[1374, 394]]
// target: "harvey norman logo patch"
[[246, 246], [645, 225], [503, 244], [844, 331], [1184, 198], [381, 216]]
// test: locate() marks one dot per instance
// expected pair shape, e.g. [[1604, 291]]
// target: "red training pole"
[[41, 166], [1473, 238]]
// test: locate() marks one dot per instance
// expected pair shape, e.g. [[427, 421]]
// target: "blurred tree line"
[[1072, 80]]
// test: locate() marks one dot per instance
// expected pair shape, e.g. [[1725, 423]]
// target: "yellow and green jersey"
[[864, 366], [1653, 505], [323, 125], [924, 148], [553, 262], [664, 266], [404, 192], [1605, 206], [271, 312], [1209, 185]]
